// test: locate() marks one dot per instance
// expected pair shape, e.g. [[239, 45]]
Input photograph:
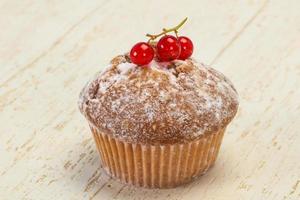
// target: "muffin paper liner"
[[157, 166]]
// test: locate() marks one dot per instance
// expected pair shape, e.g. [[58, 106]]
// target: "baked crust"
[[163, 103]]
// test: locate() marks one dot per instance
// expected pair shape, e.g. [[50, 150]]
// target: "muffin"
[[160, 125]]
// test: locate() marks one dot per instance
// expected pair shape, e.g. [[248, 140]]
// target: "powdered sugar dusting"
[[171, 102], [125, 67]]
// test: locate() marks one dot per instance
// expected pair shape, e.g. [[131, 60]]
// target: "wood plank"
[[31, 29]]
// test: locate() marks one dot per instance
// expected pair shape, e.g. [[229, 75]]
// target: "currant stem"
[[174, 29], [176, 33]]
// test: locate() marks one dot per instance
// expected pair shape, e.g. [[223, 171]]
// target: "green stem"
[[175, 29]]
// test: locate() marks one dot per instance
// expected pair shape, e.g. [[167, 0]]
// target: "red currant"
[[186, 47], [168, 48], [141, 53]]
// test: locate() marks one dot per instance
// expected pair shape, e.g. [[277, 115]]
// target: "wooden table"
[[49, 49]]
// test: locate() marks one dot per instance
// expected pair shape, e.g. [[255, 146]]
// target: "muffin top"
[[162, 103]]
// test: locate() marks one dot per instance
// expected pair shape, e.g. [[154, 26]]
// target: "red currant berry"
[[141, 53], [168, 48], [187, 47]]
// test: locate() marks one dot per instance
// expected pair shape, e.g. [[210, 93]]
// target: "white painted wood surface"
[[49, 49]]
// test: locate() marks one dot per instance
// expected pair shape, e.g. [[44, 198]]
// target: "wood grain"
[[49, 49]]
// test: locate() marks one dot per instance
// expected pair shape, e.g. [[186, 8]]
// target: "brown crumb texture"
[[163, 103]]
